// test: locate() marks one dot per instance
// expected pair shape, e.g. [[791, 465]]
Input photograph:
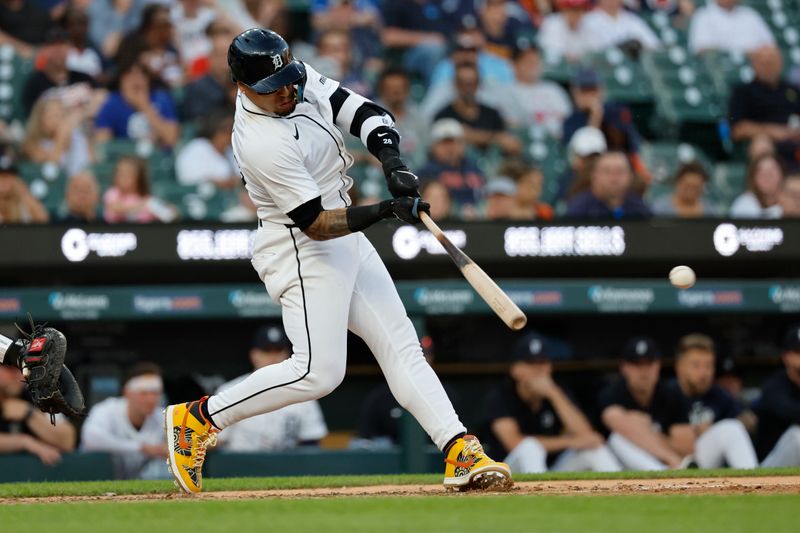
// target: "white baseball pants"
[[725, 443], [325, 288], [632, 456], [530, 457], [786, 451]]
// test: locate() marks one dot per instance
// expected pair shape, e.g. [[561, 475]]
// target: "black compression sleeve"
[[363, 216], [305, 214]]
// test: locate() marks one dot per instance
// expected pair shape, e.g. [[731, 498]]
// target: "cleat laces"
[[203, 443]]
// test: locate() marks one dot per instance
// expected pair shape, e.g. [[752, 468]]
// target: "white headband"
[[145, 383]]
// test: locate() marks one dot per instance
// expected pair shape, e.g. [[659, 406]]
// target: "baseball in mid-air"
[[682, 277]]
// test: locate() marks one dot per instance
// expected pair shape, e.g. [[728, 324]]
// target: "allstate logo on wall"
[[621, 299], [786, 297]]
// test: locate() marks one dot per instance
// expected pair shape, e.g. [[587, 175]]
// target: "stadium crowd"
[[120, 110]]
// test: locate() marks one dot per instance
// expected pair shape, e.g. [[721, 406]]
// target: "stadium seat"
[[46, 182], [624, 79], [14, 71]]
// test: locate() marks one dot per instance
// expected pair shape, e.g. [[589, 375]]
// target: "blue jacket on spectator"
[[588, 205]]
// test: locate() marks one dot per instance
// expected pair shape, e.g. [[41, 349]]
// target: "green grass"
[[473, 514], [94, 488]]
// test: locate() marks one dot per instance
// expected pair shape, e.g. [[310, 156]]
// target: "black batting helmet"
[[262, 60]]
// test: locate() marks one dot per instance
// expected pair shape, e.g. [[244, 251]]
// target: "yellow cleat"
[[189, 435], [468, 467]]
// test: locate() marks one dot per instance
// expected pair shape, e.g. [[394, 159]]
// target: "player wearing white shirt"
[[208, 158], [317, 264], [725, 25], [610, 25], [298, 424], [563, 34], [130, 428]]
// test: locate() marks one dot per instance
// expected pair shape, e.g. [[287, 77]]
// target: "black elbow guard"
[[305, 214]]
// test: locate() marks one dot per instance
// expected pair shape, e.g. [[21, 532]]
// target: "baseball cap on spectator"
[[532, 348], [640, 349], [501, 185], [446, 128], [791, 342], [586, 141], [586, 78], [270, 338], [727, 367]]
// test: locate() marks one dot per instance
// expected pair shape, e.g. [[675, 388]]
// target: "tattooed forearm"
[[329, 225]]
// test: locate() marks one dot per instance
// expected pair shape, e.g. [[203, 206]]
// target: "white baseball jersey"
[[108, 429], [324, 287], [287, 161], [277, 430]]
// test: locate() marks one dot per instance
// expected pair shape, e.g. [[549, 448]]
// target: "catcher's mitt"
[[52, 387]]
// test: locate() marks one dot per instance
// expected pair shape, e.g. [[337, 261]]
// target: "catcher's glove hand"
[[52, 387]]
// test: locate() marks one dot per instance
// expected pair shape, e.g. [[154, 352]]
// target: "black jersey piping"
[[308, 336]]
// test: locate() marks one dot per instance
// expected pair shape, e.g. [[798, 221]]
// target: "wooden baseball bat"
[[480, 280]]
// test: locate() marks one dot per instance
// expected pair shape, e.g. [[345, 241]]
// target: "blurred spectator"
[[729, 377], [247, 14], [244, 211], [418, 27], [688, 199], [152, 45], [300, 424], [609, 24], [768, 105], [82, 199], [614, 120], [136, 110], [610, 194], [531, 101], [536, 9], [335, 58], [394, 89], [643, 415], [760, 145], [436, 194], [17, 204], [208, 158], [790, 196], [500, 198], [502, 31], [55, 74], [779, 408], [110, 20], [131, 427], [727, 26], [529, 204], [764, 183], [449, 165], [717, 418], [191, 19], [54, 135], [361, 19], [215, 88], [129, 198], [584, 146], [83, 56], [534, 421], [483, 125], [563, 34], [529, 184], [466, 48], [23, 428], [23, 25]]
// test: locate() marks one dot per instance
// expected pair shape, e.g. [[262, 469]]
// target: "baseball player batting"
[[315, 262]]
